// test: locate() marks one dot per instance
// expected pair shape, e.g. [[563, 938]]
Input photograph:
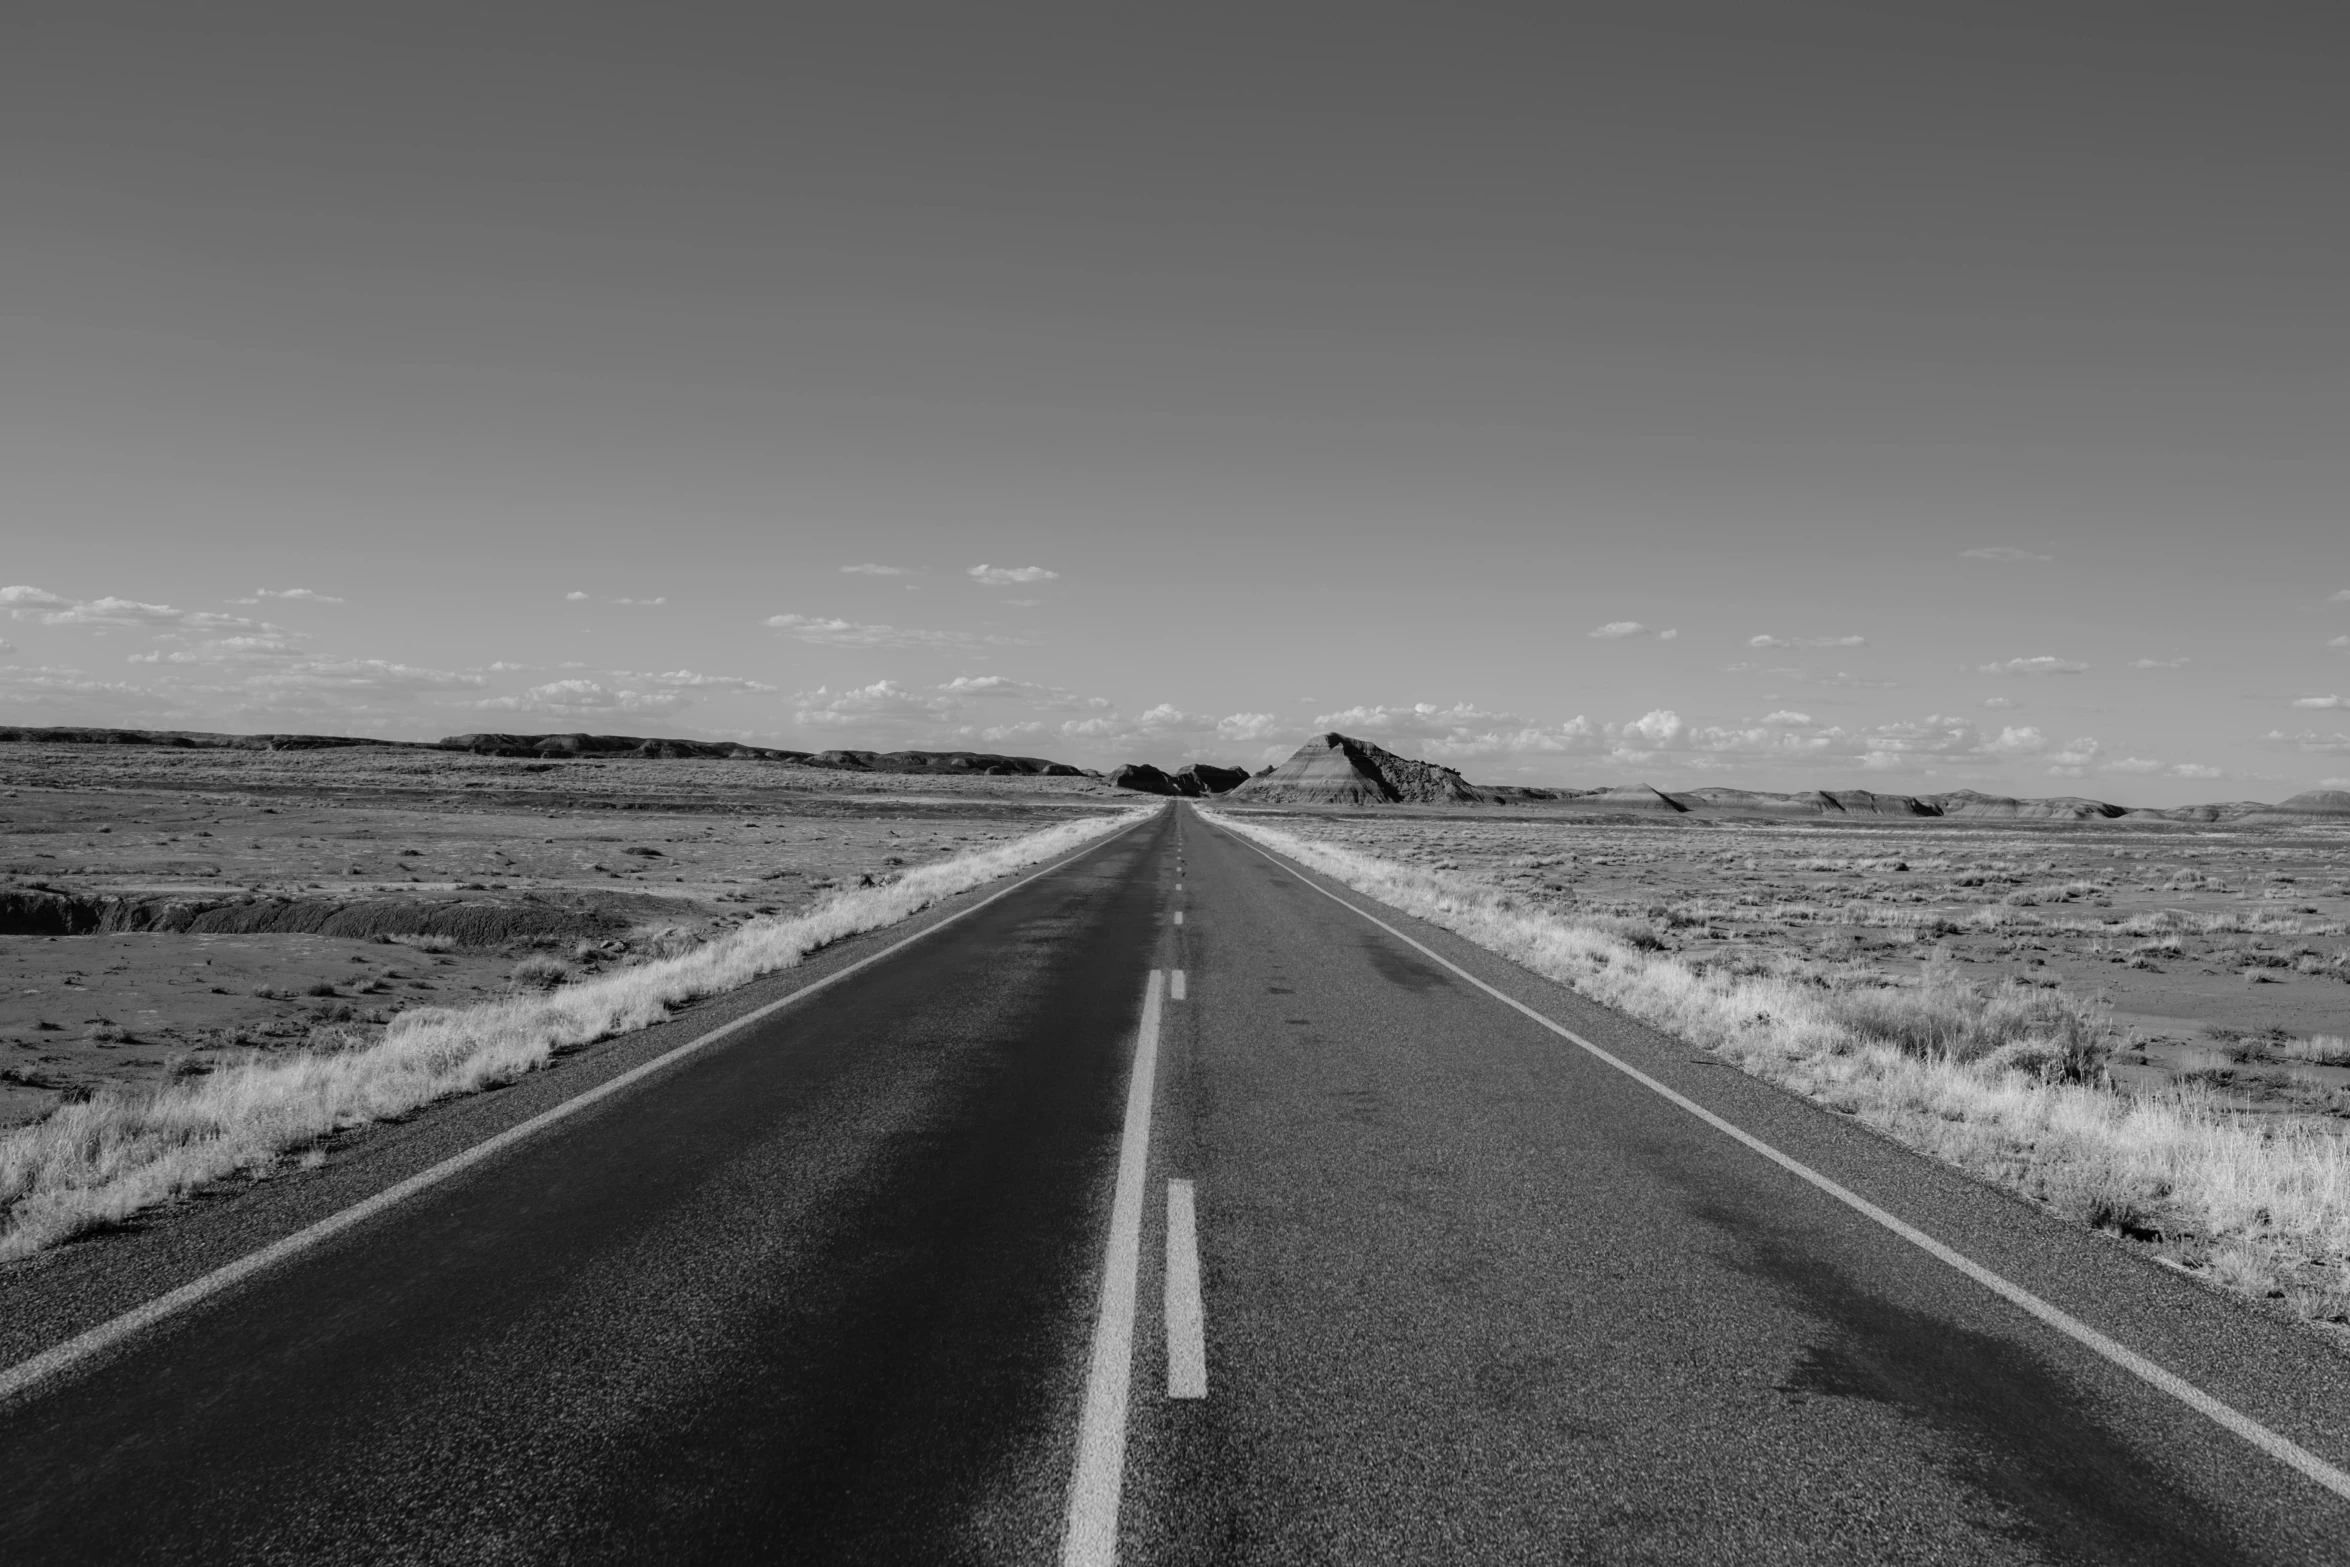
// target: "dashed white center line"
[[1090, 1536], [1175, 985], [1187, 1344], [1178, 916]]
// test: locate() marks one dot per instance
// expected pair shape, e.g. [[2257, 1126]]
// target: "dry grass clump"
[[98, 1162], [2005, 1084]]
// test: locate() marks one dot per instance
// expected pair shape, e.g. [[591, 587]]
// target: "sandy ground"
[[2224, 956], [666, 851]]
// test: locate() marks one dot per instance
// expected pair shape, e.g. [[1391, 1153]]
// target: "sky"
[[1780, 396]]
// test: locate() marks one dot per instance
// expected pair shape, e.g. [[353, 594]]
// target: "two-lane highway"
[[1171, 1208]]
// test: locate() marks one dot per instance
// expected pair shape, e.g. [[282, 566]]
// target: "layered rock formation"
[[1334, 769]]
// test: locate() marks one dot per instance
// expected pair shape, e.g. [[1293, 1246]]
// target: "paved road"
[[830, 1291]]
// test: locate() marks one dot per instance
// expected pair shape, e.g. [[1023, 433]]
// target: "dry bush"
[[539, 973]]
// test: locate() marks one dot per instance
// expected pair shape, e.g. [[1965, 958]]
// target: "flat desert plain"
[[2223, 957], [242, 901]]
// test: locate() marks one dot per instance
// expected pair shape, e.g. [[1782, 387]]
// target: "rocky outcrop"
[[1143, 777], [1335, 769], [1197, 779]]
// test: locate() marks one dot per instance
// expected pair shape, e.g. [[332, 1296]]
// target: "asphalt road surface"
[[1366, 1267]]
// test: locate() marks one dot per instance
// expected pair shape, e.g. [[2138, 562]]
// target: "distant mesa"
[[1336, 769], [1143, 777], [981, 763]]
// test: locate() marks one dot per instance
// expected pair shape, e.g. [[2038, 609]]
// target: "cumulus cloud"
[[2133, 764], [2043, 665], [643, 603], [1999, 701], [2340, 642], [2005, 554], [1791, 720], [2321, 701], [2195, 770], [870, 569], [578, 698], [1005, 576], [2343, 597], [1616, 629], [850, 633], [576, 598], [2014, 741], [50, 609], [1802, 642], [1850, 681], [2158, 663]]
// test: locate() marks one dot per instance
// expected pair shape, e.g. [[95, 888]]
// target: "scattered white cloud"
[[1616, 629], [883, 705], [1999, 701], [2342, 643], [49, 609], [1850, 681], [2334, 783], [576, 598], [301, 595], [2013, 741], [850, 633], [1802, 642], [577, 698], [7, 648], [2005, 554], [871, 569], [2195, 770], [261, 648], [360, 676], [2159, 663], [2042, 665], [503, 667], [43, 686], [1245, 727], [1005, 576], [642, 603], [2342, 597], [2321, 701], [1004, 688], [2309, 740], [2133, 764], [689, 680], [1790, 720]]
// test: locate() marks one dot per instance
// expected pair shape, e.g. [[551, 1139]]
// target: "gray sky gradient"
[[1343, 365]]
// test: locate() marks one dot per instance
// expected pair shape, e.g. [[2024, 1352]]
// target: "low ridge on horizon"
[[1329, 769]]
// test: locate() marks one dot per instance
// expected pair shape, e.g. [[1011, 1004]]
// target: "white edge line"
[[1187, 1347], [1090, 1534], [24, 1375], [2282, 1448]]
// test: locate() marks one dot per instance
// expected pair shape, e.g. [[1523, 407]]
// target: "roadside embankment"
[[2007, 1083], [97, 1162]]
